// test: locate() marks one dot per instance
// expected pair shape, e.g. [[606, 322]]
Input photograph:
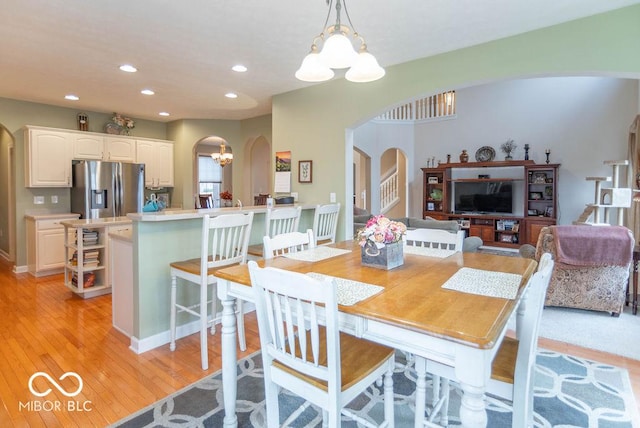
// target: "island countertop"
[[169, 214], [97, 222]]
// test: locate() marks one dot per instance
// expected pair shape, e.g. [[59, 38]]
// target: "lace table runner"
[[316, 254], [350, 292], [485, 283], [427, 251]]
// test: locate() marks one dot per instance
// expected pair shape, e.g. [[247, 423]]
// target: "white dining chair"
[[284, 243], [318, 363], [225, 240], [435, 238], [513, 367], [282, 220], [325, 223]]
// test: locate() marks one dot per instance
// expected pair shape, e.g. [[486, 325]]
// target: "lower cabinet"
[[534, 227], [45, 244]]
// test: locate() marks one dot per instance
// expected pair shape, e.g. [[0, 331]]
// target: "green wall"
[[312, 121]]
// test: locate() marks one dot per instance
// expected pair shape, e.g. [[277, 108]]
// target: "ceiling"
[[184, 50]]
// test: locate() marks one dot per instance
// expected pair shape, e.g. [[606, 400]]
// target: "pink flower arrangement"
[[381, 231]]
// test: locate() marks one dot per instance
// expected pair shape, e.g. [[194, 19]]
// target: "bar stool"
[[225, 240], [325, 223]]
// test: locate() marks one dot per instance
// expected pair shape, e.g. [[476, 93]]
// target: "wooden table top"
[[413, 297]]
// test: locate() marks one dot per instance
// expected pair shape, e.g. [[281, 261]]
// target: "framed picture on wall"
[[305, 171]]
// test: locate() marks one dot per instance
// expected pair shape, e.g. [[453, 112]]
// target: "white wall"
[[583, 120], [373, 139]]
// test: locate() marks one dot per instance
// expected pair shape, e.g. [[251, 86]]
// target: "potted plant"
[[507, 147], [381, 242]]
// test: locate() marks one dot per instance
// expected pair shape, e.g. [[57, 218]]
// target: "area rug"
[[569, 392]]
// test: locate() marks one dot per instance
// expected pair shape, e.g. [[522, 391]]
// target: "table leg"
[[229, 361], [472, 407], [421, 391]]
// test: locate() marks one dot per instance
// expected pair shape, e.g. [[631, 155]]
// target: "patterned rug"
[[569, 392]]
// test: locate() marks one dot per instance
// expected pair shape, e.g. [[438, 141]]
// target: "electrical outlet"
[[54, 199], [332, 197], [38, 200], [294, 195]]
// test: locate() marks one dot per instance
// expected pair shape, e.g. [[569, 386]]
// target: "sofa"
[[596, 286], [470, 244]]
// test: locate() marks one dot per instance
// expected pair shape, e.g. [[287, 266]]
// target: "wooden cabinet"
[[534, 199], [541, 199], [47, 158], [45, 244], [119, 149], [435, 192], [158, 159]]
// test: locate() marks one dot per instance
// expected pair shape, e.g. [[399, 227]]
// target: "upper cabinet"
[[119, 149], [49, 153], [88, 146], [47, 158], [158, 159]]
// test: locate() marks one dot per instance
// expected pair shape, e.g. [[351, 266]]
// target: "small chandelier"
[[223, 158], [338, 52]]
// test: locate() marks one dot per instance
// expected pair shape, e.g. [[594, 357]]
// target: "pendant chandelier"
[[223, 158], [338, 52]]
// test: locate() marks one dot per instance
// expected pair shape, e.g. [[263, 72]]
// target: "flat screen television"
[[483, 197]]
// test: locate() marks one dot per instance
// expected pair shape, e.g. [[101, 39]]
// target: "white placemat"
[[485, 283], [316, 254], [427, 251], [350, 292]]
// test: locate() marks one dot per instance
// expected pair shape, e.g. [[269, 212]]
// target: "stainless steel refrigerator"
[[107, 189]]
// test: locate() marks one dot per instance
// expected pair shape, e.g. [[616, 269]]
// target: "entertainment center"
[[505, 203]]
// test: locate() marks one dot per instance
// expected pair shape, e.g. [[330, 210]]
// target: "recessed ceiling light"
[[164, 113], [239, 68], [231, 95], [147, 92], [128, 68], [71, 97]]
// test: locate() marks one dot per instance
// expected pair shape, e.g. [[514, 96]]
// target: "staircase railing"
[[438, 106], [389, 192]]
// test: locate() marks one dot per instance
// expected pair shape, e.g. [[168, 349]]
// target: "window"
[[209, 176]]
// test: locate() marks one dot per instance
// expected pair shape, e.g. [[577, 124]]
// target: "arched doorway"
[[209, 176], [7, 195]]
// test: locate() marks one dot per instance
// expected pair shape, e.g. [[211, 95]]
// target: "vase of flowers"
[[381, 243], [226, 198], [126, 124]]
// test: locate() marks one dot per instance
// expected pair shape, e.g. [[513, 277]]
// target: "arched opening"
[[210, 177], [7, 195]]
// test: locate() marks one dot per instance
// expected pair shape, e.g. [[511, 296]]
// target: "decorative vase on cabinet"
[[464, 156]]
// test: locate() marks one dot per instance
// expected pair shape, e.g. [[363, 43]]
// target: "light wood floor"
[[44, 328]]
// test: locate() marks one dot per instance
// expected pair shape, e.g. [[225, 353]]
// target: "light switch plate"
[[332, 197], [38, 200], [295, 196]]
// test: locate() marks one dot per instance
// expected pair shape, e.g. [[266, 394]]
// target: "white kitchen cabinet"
[[158, 159], [45, 243], [88, 146], [119, 149], [47, 158]]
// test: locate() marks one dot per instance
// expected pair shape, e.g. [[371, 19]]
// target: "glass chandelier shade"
[[223, 158], [337, 53]]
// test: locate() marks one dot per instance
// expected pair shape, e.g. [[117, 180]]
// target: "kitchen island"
[[87, 254], [159, 238]]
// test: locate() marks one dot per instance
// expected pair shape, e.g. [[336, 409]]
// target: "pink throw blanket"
[[593, 245]]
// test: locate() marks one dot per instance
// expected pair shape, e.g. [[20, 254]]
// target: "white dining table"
[[412, 313]]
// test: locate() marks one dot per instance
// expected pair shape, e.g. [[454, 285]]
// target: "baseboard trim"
[[157, 340], [20, 269]]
